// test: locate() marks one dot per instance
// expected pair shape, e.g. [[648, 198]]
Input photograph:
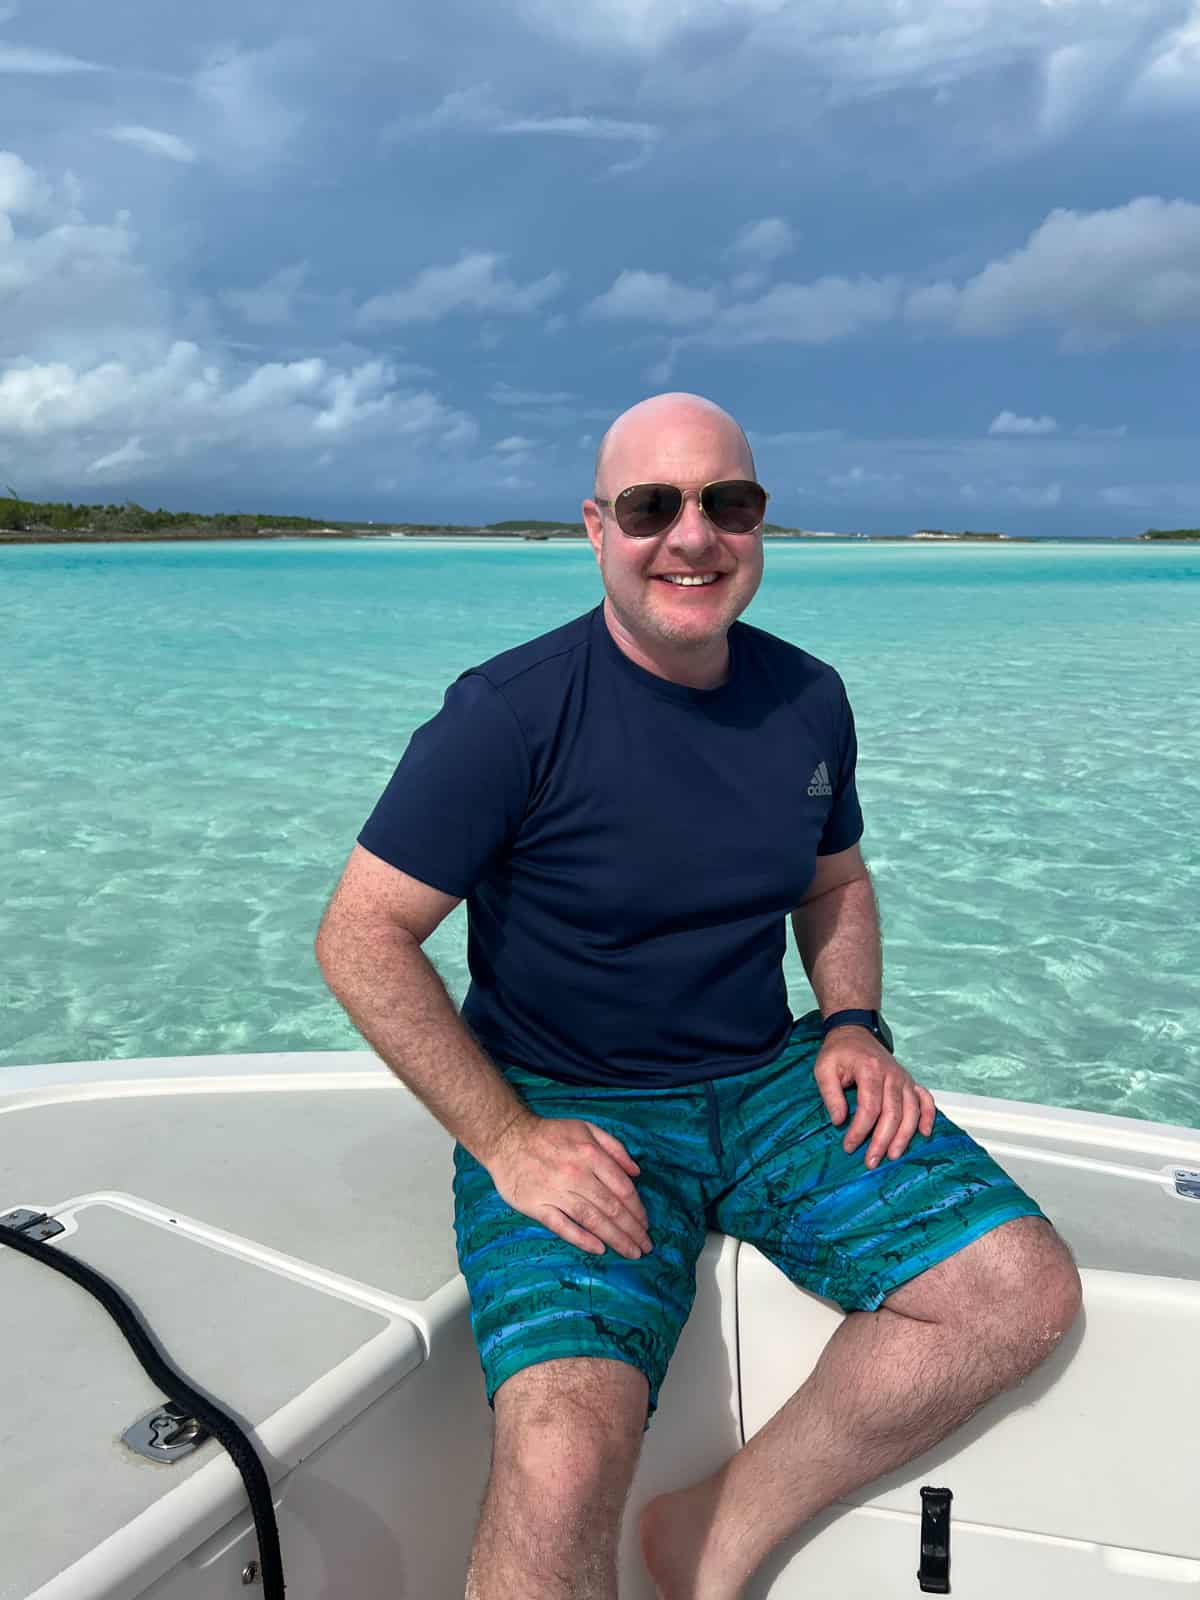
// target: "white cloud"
[[154, 142], [807, 313], [1073, 57], [73, 290], [248, 118], [659, 373], [639, 25], [1173, 72], [503, 394], [471, 284], [272, 304], [1126, 494], [21, 190], [638, 296], [101, 384], [862, 481], [790, 313], [1009, 422], [515, 443], [1039, 499], [1156, 497], [192, 405], [475, 110], [763, 242], [42, 63], [795, 438], [608, 128], [1096, 274], [355, 396], [1083, 76], [129, 454]]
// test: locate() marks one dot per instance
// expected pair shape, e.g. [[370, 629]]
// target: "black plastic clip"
[[934, 1574]]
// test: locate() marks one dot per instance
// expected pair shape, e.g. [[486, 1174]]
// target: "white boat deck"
[[284, 1223]]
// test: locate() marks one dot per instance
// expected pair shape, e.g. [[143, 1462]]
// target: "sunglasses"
[[735, 505]]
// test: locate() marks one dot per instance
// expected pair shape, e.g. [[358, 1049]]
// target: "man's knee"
[[1016, 1286], [570, 1432], [1034, 1284]]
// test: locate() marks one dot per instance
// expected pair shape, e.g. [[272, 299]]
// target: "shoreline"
[[261, 536], [516, 536]]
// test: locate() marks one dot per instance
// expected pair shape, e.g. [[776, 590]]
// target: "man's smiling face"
[[681, 440]]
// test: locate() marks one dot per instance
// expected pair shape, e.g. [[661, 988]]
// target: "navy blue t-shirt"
[[628, 847]]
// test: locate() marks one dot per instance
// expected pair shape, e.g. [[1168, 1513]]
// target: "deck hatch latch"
[[934, 1573], [165, 1434], [33, 1224]]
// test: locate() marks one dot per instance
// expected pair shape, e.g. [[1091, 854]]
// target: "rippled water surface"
[[193, 735]]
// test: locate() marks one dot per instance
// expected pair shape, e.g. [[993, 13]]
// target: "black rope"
[[176, 1387]]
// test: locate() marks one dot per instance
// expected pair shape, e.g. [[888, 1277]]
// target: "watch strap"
[[871, 1020]]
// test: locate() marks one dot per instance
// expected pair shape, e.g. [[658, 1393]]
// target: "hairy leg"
[[567, 1441], [888, 1385]]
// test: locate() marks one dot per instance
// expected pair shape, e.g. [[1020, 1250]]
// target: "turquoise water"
[[194, 734]]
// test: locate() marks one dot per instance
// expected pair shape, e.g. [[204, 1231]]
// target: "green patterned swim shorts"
[[753, 1155]]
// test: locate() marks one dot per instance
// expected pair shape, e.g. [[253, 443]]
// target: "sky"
[[940, 258]]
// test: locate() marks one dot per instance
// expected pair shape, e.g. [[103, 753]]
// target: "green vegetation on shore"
[[45, 519], [32, 521], [533, 527], [20, 516]]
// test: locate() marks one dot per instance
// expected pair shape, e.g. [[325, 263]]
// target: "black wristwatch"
[[871, 1020]]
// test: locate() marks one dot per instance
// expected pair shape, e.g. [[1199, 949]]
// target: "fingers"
[[559, 1222], [614, 1196], [928, 1111], [603, 1217], [892, 1110], [831, 1094], [890, 1117], [614, 1146], [908, 1122], [870, 1103]]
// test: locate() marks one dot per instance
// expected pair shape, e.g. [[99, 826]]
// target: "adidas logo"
[[819, 782]]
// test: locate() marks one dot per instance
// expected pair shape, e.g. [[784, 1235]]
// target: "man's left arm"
[[837, 935]]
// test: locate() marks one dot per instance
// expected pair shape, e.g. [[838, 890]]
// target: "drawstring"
[[714, 1126]]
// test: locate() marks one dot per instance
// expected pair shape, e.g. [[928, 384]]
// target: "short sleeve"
[[459, 794], [844, 824]]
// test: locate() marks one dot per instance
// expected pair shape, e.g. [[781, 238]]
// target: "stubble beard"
[[649, 622]]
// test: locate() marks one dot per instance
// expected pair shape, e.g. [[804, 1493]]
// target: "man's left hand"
[[888, 1099]]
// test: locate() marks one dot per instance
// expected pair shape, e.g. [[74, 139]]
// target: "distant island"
[[939, 533], [32, 522], [60, 522]]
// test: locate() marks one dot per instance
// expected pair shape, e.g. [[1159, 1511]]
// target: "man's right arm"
[[568, 1174], [369, 950]]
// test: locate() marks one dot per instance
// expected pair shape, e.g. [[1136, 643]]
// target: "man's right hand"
[[573, 1178]]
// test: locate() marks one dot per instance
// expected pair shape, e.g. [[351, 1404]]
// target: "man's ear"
[[594, 524]]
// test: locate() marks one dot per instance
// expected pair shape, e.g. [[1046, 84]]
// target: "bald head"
[[665, 418]]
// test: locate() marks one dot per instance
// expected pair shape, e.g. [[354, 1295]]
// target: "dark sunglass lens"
[[735, 506], [647, 509]]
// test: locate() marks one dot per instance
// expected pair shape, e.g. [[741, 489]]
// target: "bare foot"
[[673, 1531]]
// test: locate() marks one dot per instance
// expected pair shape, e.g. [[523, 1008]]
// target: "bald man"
[[632, 805]]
